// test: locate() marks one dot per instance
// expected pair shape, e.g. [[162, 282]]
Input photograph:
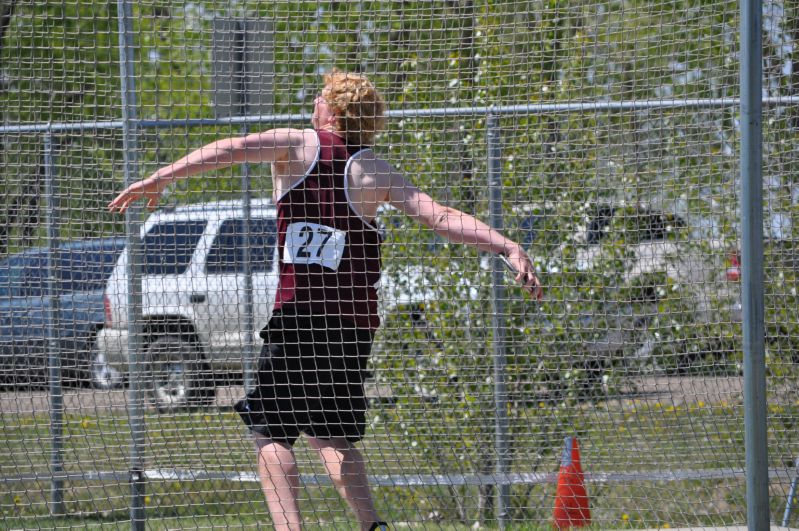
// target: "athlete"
[[328, 185]]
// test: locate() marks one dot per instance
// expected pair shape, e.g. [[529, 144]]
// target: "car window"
[[34, 278], [5, 279], [227, 252], [529, 230], [86, 269], [13, 274], [168, 247], [597, 227], [78, 268], [642, 225], [24, 276], [657, 226]]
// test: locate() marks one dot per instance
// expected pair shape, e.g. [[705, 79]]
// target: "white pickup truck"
[[193, 300]]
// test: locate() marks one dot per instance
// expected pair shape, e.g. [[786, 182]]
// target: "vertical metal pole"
[[755, 419], [786, 517], [240, 49], [53, 343], [132, 229], [501, 442]]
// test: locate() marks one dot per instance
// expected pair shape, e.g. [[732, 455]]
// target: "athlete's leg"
[[280, 481], [346, 467]]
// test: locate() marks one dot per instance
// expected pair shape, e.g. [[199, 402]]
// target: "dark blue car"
[[27, 334]]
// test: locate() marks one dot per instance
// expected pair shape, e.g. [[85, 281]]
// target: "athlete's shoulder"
[[373, 174], [288, 137], [367, 161]]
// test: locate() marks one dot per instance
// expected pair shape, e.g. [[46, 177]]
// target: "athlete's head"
[[352, 105]]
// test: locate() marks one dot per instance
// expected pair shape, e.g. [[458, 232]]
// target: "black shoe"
[[379, 526]]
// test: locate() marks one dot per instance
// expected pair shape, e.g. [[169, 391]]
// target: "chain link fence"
[[602, 136]]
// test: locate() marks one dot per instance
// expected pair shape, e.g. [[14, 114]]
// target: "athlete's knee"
[[273, 452]]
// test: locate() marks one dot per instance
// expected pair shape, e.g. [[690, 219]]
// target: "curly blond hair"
[[358, 105]]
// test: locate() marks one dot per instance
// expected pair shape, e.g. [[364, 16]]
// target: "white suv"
[[193, 299]]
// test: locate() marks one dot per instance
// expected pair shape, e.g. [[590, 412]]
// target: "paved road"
[[667, 391], [77, 401], [85, 400]]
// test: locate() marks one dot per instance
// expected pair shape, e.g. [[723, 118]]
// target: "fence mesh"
[[605, 132]]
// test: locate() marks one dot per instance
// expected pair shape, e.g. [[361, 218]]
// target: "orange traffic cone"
[[571, 499]]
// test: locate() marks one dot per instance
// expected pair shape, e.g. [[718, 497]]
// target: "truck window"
[[227, 252], [168, 247]]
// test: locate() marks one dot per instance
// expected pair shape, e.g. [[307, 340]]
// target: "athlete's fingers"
[[114, 205], [536, 288], [120, 201], [531, 284], [126, 201], [119, 205], [525, 276]]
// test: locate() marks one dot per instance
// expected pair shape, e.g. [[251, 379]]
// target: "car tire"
[[179, 378]]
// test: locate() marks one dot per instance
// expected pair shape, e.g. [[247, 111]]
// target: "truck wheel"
[[179, 377], [102, 374]]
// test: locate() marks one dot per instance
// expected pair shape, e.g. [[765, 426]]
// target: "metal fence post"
[[54, 373], [786, 516], [755, 414], [249, 361], [132, 226], [502, 444]]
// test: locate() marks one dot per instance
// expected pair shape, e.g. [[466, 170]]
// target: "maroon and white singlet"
[[329, 255]]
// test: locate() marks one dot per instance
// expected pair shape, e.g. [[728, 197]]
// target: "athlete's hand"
[[149, 189], [524, 271]]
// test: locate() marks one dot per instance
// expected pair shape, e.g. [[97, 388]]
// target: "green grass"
[[614, 437]]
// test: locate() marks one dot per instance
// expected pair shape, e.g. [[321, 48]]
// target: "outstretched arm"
[[268, 146], [459, 227]]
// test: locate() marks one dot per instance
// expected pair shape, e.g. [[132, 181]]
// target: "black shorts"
[[310, 380]]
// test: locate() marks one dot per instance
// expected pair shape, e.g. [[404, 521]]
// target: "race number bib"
[[311, 243]]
